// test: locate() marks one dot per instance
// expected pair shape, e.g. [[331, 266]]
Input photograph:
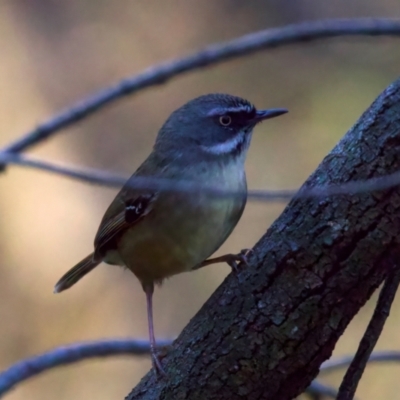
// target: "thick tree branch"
[[213, 54], [265, 332]]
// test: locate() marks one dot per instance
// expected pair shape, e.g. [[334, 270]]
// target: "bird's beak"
[[261, 115]]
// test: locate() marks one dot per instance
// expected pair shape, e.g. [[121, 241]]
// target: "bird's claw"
[[156, 363], [233, 260]]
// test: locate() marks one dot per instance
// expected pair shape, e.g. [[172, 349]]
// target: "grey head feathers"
[[197, 123], [213, 125]]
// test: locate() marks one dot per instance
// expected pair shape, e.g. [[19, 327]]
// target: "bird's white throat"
[[235, 144]]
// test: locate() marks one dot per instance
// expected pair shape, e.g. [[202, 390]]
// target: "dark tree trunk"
[[265, 332]]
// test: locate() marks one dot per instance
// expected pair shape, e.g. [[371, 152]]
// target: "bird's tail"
[[76, 273]]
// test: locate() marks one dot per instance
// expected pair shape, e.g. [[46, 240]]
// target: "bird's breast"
[[184, 228]]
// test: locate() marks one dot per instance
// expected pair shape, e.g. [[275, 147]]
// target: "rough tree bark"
[[265, 332]]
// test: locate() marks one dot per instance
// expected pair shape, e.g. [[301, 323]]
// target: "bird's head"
[[214, 124]]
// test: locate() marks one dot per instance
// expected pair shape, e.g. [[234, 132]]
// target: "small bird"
[[157, 234]]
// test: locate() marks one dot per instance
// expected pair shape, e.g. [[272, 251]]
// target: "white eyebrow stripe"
[[221, 111], [225, 147]]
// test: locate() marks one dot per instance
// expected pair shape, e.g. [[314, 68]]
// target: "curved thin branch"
[[110, 180], [213, 54], [76, 352], [60, 356], [93, 176], [69, 354]]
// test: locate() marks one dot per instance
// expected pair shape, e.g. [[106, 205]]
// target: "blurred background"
[[55, 52]]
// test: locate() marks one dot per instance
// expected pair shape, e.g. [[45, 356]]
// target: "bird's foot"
[[156, 358], [233, 260]]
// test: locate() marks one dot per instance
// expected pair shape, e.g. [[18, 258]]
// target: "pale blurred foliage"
[[54, 52]]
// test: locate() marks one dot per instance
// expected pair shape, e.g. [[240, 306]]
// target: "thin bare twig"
[[354, 373], [213, 54], [30, 367], [60, 356], [318, 391], [146, 183], [377, 357], [33, 366], [150, 183], [87, 175]]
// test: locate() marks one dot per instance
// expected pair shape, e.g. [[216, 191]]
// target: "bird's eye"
[[225, 120]]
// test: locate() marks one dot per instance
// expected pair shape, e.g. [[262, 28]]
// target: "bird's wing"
[[121, 215], [130, 205]]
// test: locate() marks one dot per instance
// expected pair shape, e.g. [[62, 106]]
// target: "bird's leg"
[[232, 260], [149, 289]]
